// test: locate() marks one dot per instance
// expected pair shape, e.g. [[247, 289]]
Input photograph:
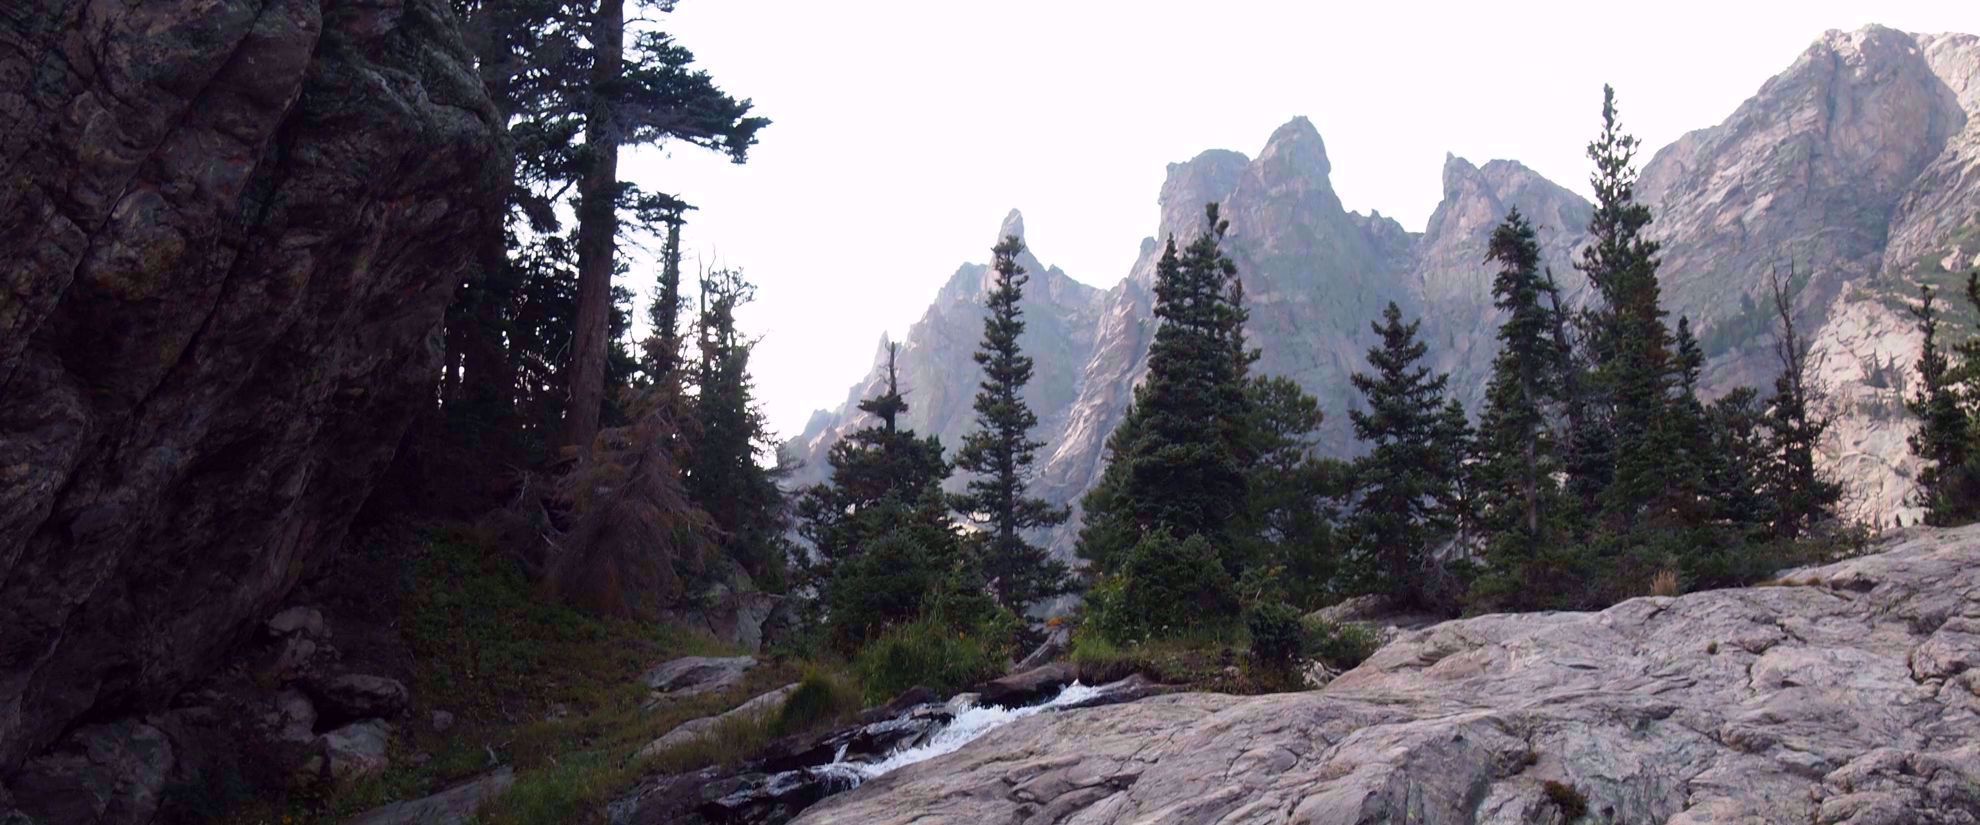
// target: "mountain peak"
[[1013, 225], [1297, 147]]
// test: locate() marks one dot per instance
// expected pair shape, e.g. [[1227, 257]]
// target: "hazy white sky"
[[903, 131]]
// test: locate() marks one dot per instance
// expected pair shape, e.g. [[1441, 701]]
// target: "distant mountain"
[[1858, 167]]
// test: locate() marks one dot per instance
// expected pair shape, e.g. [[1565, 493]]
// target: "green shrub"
[[1340, 646], [1164, 588], [1276, 635], [925, 653], [1570, 802]]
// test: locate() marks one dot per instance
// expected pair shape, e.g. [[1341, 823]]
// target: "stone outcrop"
[[695, 675], [1848, 695], [760, 707], [449, 807], [232, 228]]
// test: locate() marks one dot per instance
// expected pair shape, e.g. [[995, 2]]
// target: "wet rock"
[[359, 696], [350, 753], [695, 675], [669, 799], [112, 774], [1028, 686], [449, 807], [1816, 702], [760, 707], [909, 699]]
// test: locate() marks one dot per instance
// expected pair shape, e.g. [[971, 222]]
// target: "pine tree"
[[1396, 520], [642, 95], [1944, 432], [1685, 436], [1295, 494], [883, 478], [724, 474], [1177, 462], [1518, 459], [661, 350], [1804, 496], [1000, 452], [1629, 342]]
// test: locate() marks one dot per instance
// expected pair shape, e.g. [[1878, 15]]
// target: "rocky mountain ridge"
[[1857, 169]]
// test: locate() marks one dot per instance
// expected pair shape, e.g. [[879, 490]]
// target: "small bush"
[[1566, 799], [1277, 638], [1165, 588], [1340, 646], [924, 653]]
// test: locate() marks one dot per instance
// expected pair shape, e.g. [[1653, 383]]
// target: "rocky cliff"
[[232, 228], [1858, 168], [1847, 695]]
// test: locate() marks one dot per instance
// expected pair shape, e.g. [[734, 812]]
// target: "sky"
[[902, 132]]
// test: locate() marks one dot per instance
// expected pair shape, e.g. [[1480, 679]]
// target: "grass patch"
[[925, 653], [1340, 646]]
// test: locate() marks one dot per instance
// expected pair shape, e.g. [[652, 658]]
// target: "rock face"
[[760, 707], [232, 227], [1859, 165], [1849, 695]]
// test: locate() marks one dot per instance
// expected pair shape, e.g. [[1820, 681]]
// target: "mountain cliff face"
[[232, 229], [1857, 168], [1849, 695], [936, 368]]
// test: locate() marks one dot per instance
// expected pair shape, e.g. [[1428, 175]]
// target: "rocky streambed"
[[1847, 695]]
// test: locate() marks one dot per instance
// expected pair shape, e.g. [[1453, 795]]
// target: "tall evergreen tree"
[[1518, 460], [1804, 496], [1629, 342], [1685, 434], [1944, 432], [1396, 519], [1000, 452], [725, 475], [1178, 460], [642, 95], [661, 351], [1295, 494]]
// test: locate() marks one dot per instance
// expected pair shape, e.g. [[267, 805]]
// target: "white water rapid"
[[971, 723]]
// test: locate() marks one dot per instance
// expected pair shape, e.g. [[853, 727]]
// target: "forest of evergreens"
[[632, 475]]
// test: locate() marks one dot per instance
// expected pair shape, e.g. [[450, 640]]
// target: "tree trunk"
[[598, 225]]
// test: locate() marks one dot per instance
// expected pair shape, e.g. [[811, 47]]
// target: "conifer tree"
[[1944, 432], [1685, 436], [1000, 452], [1295, 494], [724, 473], [1518, 459], [1803, 496], [1737, 479], [1396, 520], [1629, 342], [1177, 462], [884, 479], [662, 347]]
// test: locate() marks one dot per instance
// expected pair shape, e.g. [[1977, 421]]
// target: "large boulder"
[[230, 230], [359, 696], [350, 753], [761, 707], [695, 675], [1839, 698]]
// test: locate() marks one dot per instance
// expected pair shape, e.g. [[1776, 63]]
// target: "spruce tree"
[[1396, 520], [1295, 494], [1803, 495], [1629, 342], [1000, 452], [1177, 462], [1944, 434], [724, 473], [1518, 456], [883, 479], [1685, 436]]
